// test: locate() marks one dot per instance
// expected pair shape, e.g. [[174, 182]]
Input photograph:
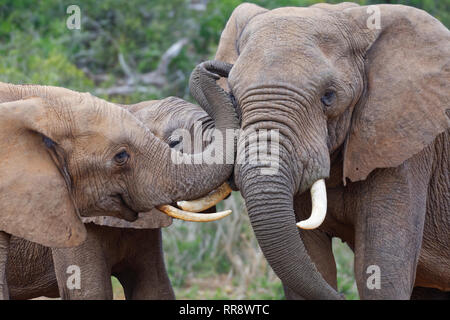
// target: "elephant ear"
[[407, 96], [227, 50], [154, 219], [35, 203]]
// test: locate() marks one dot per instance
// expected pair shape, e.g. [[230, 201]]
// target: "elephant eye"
[[174, 141], [121, 158], [49, 143], [328, 98]]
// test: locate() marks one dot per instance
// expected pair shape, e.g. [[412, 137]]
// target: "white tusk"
[[319, 206], [208, 201], [190, 216]]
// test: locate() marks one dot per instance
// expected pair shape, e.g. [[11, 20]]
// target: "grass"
[[117, 289], [343, 256]]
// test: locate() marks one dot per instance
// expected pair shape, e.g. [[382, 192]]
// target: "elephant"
[[131, 251], [361, 108], [70, 154], [133, 256]]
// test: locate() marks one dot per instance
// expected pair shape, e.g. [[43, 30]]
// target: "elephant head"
[[165, 119], [68, 154], [329, 83]]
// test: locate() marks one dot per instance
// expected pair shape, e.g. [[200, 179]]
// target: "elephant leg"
[[4, 249], [319, 247], [390, 218], [82, 272], [147, 278], [152, 279]]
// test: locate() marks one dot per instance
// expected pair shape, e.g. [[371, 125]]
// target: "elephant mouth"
[[125, 212]]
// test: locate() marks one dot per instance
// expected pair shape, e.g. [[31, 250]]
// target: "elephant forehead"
[[178, 109], [171, 114], [287, 25], [298, 12], [96, 116]]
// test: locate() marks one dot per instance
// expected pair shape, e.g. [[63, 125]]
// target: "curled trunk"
[[195, 178]]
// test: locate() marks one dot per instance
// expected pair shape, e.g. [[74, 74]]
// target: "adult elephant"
[[69, 154], [360, 97], [130, 251]]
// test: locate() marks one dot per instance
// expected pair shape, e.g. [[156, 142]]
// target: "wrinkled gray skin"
[[367, 110], [130, 251], [133, 256], [70, 154]]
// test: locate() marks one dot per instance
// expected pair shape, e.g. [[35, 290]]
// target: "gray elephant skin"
[[130, 251], [72, 154], [364, 107]]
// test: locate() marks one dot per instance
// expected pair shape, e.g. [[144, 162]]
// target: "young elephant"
[[68, 154], [131, 251], [360, 98]]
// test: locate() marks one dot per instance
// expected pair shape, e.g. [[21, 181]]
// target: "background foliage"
[[120, 44]]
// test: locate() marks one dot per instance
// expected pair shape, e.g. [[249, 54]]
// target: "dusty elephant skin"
[[133, 256], [69, 154], [62, 146], [130, 251], [365, 108]]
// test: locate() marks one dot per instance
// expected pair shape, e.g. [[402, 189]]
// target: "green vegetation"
[[120, 45], [37, 47]]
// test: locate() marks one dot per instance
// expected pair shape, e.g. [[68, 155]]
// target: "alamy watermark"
[[374, 280], [374, 20], [73, 22], [74, 279], [257, 147]]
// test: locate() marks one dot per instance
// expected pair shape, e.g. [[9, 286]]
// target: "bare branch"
[[169, 55], [157, 78], [126, 69]]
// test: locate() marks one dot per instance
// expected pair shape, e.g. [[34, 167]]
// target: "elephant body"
[[412, 240], [133, 256], [362, 115], [71, 154], [130, 251]]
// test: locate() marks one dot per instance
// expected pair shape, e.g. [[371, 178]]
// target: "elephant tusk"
[[191, 216], [319, 206], [208, 201]]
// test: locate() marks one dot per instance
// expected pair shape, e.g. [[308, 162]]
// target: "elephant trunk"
[[269, 201], [211, 97], [217, 103], [194, 175]]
